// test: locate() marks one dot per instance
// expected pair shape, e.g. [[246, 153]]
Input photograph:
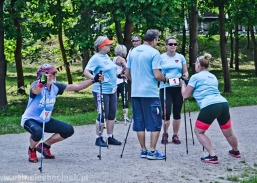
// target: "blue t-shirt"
[[142, 60], [206, 90], [102, 62], [172, 67], [40, 107]]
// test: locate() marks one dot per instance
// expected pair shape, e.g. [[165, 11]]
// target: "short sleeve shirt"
[[142, 60], [206, 90], [172, 67], [40, 107], [102, 62]]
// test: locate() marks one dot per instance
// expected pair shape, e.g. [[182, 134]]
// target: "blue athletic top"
[[142, 60], [43, 101], [206, 90], [172, 66], [103, 62]]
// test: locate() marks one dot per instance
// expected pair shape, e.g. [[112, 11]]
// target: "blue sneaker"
[[155, 156], [143, 153]]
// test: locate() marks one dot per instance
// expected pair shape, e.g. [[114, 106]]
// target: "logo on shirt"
[[176, 61]]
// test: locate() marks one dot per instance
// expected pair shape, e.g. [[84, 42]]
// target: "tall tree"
[[3, 98], [15, 8], [193, 32], [220, 4], [223, 52], [60, 37]]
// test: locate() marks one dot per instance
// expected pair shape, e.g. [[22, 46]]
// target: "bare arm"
[[84, 84], [37, 89], [88, 74], [79, 86], [121, 62], [127, 74], [158, 75], [186, 91], [185, 71]]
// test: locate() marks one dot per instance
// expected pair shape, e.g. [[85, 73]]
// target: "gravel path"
[[76, 158]]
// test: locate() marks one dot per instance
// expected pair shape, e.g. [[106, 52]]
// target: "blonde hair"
[[120, 50], [205, 60]]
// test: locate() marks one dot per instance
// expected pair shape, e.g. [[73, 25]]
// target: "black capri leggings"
[[173, 96], [53, 126], [120, 91]]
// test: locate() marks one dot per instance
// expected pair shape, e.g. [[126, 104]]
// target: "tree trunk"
[[128, 33], [85, 59], [231, 63], [118, 32], [64, 56], [227, 87], [236, 48], [254, 49], [18, 61], [3, 98], [248, 38], [183, 50], [193, 36]]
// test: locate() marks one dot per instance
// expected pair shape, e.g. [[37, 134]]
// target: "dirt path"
[[76, 158]]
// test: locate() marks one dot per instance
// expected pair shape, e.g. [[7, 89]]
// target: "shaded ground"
[[76, 158]]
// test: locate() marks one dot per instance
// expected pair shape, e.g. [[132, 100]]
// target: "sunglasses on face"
[[172, 44], [53, 73], [134, 41]]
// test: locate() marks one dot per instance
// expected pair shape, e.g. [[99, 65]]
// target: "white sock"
[[109, 135], [98, 136]]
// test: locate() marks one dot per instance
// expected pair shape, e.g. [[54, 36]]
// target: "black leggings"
[[173, 96], [120, 91], [53, 126]]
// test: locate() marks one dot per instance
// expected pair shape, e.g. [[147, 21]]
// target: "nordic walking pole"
[[43, 130], [101, 112], [188, 108], [125, 141], [185, 126], [164, 117], [124, 100]]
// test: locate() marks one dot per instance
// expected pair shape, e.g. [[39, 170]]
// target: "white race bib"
[[45, 114], [174, 81]]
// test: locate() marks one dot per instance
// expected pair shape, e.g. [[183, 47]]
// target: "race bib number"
[[174, 81], [45, 114]]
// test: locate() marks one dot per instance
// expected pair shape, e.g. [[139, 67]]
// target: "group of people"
[[145, 67]]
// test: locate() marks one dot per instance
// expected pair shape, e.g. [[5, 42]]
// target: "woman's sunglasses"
[[172, 44]]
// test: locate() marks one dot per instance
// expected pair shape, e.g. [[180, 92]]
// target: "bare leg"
[[53, 139], [154, 139], [176, 125], [97, 127], [205, 141], [32, 143], [167, 126], [231, 138], [125, 112], [141, 139], [110, 126]]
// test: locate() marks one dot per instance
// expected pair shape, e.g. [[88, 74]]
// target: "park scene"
[[76, 76]]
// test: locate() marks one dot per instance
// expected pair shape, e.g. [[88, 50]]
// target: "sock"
[[109, 135], [45, 145]]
